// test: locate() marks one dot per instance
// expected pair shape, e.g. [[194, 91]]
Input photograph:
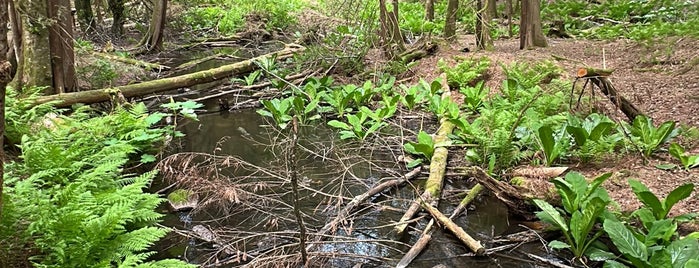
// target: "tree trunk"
[[491, 9], [85, 17], [36, 65], [5, 77], [61, 46], [483, 39], [170, 83], [391, 37], [153, 41], [530, 33], [429, 10], [450, 22], [117, 9], [16, 43], [509, 9]]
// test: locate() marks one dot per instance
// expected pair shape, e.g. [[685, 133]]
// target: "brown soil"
[[660, 79]]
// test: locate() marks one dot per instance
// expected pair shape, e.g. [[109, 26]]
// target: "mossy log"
[[165, 84], [514, 197], [433, 186], [139, 63]]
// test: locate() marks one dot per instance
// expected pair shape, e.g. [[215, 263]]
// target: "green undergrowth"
[[229, 16], [633, 19], [68, 201]]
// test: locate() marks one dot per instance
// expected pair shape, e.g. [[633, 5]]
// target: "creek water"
[[370, 239], [327, 168]]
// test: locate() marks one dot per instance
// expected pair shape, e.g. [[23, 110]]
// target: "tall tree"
[[153, 40], [61, 46], [391, 37], [483, 39], [530, 33], [86, 18], [450, 22], [491, 8], [117, 9], [429, 10], [5, 78], [36, 65]]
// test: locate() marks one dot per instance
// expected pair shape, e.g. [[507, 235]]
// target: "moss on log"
[[165, 84]]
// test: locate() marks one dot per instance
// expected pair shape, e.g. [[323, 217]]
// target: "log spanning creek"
[[237, 166]]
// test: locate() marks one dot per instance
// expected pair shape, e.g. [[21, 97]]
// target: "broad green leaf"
[[424, 138], [414, 163], [568, 196], [579, 134], [547, 143], [600, 130], [645, 215], [614, 264], [683, 250], [596, 254], [597, 182], [550, 215], [346, 134], [311, 106], [693, 263], [660, 258], [666, 166], [677, 195], [555, 244], [338, 124], [625, 241], [665, 132], [660, 230], [647, 197]]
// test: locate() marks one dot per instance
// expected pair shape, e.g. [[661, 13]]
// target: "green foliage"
[[357, 126], [465, 72], [688, 161], [21, 116], [251, 78], [179, 196], [474, 96], [660, 208], [553, 145], [99, 73], [531, 74], [583, 203], [634, 19], [593, 136], [277, 109], [649, 138], [416, 95], [69, 197], [424, 147], [228, 16]]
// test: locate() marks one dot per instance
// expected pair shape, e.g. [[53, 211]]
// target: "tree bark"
[[16, 43], [429, 10], [530, 33], [5, 78], [391, 37], [509, 9], [117, 9], [483, 39], [450, 22], [85, 17], [133, 90], [153, 41], [491, 9], [61, 46], [36, 66]]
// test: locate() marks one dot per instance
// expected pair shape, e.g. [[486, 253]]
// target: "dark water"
[[328, 168]]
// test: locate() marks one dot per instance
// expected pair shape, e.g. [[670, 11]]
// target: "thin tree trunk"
[[153, 41], [483, 39], [429, 10], [530, 33], [16, 29], [391, 37], [85, 17], [450, 22], [61, 46], [293, 176], [117, 9], [36, 66], [5, 78], [509, 9], [491, 9]]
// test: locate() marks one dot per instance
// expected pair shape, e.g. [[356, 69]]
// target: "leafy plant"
[[645, 135], [466, 70], [660, 208], [593, 135], [424, 147], [688, 161], [277, 109], [583, 204], [474, 96], [552, 145], [357, 126], [250, 79]]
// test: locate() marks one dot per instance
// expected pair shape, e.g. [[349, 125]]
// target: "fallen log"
[[165, 84], [600, 78], [459, 232], [514, 197], [438, 166], [139, 63], [427, 233]]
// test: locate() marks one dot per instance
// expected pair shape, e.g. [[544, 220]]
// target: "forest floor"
[[662, 80]]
